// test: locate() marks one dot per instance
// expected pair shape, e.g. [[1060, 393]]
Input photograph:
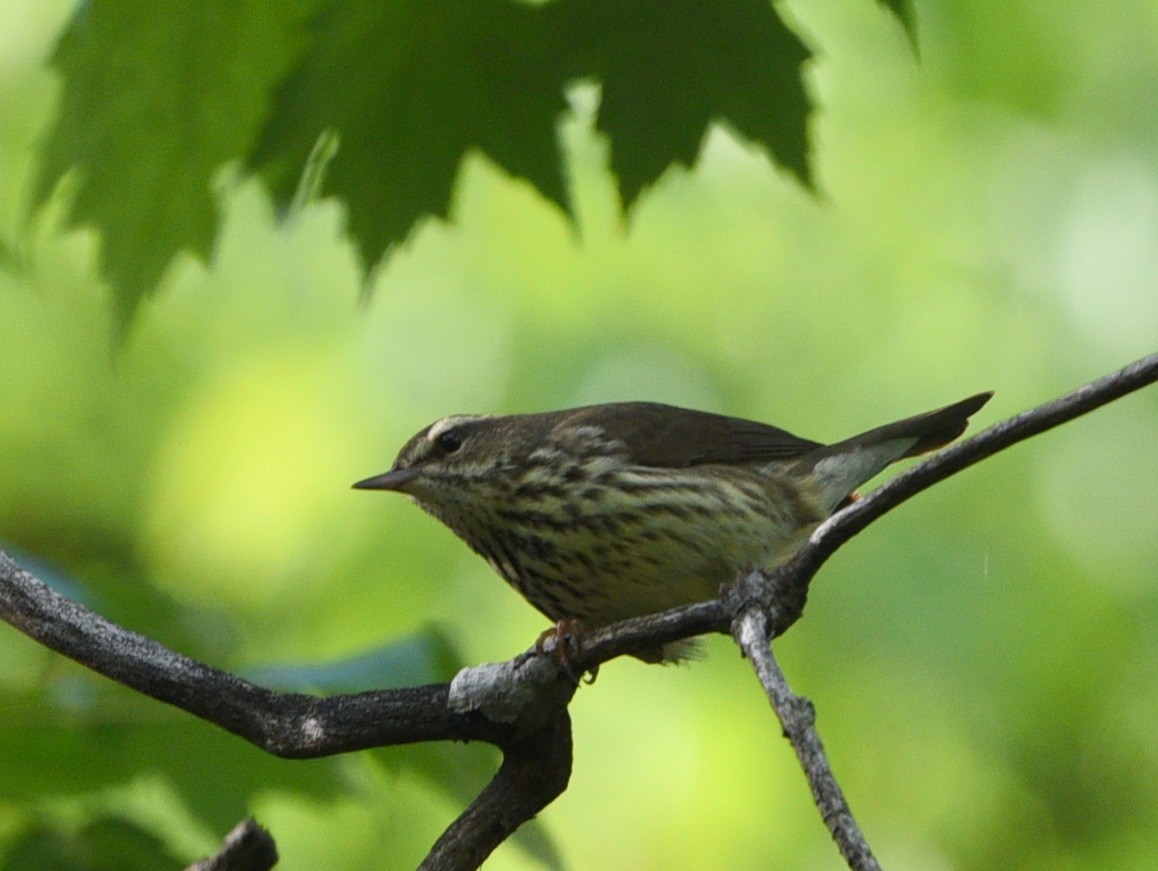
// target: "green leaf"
[[411, 86], [426, 657], [108, 843], [157, 97], [112, 736], [670, 67], [441, 77]]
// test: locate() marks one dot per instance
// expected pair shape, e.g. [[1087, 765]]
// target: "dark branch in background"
[[248, 847], [521, 706]]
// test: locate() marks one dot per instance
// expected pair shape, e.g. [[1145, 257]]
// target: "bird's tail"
[[844, 466]]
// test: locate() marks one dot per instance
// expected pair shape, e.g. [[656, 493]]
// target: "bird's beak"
[[395, 479]]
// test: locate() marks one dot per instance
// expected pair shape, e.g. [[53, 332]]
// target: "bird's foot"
[[564, 642]]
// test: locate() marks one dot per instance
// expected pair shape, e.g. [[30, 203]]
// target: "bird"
[[605, 512]]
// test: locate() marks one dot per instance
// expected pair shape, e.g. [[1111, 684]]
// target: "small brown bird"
[[606, 512]]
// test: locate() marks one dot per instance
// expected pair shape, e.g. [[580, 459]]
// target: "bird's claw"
[[564, 642]]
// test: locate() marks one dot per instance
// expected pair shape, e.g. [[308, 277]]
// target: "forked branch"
[[521, 706]]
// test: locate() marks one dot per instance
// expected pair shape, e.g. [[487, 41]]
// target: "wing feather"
[[663, 436]]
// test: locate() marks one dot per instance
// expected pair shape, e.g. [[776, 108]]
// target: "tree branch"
[[533, 732], [248, 847], [534, 772], [760, 606], [795, 575], [293, 725], [798, 718], [521, 705], [845, 524]]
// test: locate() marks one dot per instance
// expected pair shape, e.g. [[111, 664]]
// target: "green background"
[[984, 660]]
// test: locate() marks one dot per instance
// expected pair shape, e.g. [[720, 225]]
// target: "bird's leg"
[[565, 639]]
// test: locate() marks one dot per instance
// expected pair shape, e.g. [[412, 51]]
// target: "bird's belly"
[[610, 560]]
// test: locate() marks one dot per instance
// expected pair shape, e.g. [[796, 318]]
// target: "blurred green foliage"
[[258, 81], [983, 660]]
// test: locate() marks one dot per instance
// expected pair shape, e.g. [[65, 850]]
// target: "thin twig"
[[798, 718], [847, 523], [795, 575]]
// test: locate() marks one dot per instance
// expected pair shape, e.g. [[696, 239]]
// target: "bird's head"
[[447, 455]]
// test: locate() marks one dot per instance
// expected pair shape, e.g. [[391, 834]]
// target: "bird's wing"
[[664, 436]]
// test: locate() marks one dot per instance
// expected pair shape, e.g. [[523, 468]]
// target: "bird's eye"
[[449, 441]]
